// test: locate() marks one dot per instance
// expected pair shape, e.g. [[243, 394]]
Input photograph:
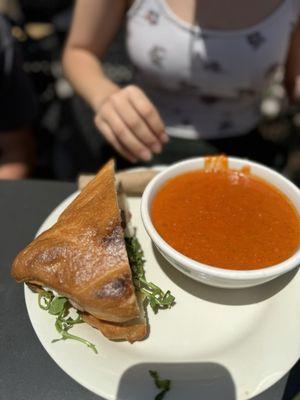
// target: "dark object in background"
[[41, 10], [68, 142], [18, 104]]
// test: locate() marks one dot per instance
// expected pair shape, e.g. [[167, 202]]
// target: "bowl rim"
[[217, 272]]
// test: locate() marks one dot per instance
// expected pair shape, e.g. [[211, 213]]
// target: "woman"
[[201, 68]]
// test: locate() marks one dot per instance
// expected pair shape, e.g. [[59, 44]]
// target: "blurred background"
[[67, 142]]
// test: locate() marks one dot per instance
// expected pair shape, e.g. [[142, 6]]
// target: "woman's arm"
[[126, 117], [95, 23], [292, 70]]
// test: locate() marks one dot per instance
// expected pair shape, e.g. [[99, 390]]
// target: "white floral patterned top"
[[206, 83]]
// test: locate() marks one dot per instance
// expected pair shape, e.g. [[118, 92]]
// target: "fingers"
[[147, 111], [127, 138], [113, 140], [136, 124]]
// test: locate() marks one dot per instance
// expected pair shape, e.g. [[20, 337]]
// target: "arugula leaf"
[[57, 305], [163, 384], [160, 395], [45, 299], [155, 296], [63, 326], [60, 306]]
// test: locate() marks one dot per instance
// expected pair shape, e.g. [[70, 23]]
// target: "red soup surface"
[[226, 218]]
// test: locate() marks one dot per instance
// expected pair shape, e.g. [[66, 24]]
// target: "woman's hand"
[[131, 124]]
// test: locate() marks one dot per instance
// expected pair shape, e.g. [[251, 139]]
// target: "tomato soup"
[[226, 218]]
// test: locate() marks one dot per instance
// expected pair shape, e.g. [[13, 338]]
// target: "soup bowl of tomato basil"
[[226, 222]]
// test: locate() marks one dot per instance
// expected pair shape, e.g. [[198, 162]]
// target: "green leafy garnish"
[[154, 295], [163, 384], [57, 305], [60, 307], [45, 299]]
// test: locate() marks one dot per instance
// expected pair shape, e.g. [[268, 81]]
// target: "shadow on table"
[[231, 297], [191, 381]]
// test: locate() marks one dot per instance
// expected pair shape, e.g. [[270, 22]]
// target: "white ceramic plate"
[[213, 344]]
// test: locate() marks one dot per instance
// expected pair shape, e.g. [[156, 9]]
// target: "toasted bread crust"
[[131, 331], [83, 256]]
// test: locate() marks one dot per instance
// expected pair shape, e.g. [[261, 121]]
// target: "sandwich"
[[83, 257]]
